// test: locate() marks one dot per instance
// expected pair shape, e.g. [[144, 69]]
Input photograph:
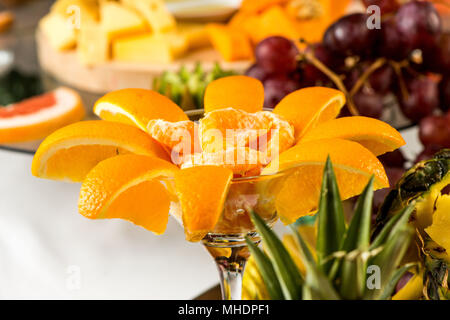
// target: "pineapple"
[[424, 184], [345, 263]]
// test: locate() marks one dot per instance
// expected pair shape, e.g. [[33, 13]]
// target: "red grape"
[[276, 88], [435, 130], [444, 91], [419, 24], [394, 175], [381, 79], [255, 71], [350, 36], [422, 100], [386, 6], [427, 153], [391, 44], [326, 57], [277, 55], [369, 103], [394, 159], [403, 281]]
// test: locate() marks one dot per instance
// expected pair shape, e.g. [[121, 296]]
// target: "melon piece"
[[59, 32], [195, 33], [118, 20], [93, 44], [155, 12], [163, 48], [37, 117], [275, 21], [232, 44]]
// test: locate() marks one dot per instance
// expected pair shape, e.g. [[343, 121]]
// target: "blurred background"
[[394, 72]]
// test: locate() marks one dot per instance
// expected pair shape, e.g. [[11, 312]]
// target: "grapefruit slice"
[[137, 107], [37, 117], [71, 152]]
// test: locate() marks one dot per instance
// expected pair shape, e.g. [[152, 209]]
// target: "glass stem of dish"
[[230, 253]]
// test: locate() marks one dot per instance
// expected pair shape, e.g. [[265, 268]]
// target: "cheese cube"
[[118, 20], [93, 45], [60, 32], [159, 48], [155, 12]]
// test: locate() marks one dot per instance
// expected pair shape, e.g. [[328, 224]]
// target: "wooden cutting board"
[[113, 75]]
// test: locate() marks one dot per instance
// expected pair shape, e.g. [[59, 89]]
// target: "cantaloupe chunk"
[[232, 44], [195, 33], [256, 6], [118, 20], [93, 44], [155, 12], [60, 33], [276, 22], [161, 48]]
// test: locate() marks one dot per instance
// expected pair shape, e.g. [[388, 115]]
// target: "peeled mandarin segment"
[[127, 187], [375, 135], [202, 192], [37, 117], [239, 92], [308, 107], [71, 152], [137, 106], [438, 230], [178, 138], [353, 165]]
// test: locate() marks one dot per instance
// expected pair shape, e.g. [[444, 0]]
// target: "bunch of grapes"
[[407, 59]]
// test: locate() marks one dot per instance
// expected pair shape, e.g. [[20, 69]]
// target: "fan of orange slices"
[[145, 140]]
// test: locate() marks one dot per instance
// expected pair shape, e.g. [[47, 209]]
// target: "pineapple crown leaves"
[[343, 253]]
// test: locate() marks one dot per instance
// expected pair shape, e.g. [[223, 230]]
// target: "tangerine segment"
[[239, 92], [353, 165], [137, 107], [71, 152], [230, 128], [242, 161], [202, 192], [178, 138], [375, 135], [307, 107], [126, 187]]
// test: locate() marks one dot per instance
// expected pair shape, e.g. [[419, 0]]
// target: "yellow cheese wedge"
[[155, 12], [84, 10], [93, 45], [60, 33], [118, 20], [196, 35], [160, 48]]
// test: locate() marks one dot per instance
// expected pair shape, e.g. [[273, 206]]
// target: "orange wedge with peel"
[[137, 107], [238, 92], [127, 187], [308, 107], [202, 192], [377, 136], [37, 117], [353, 165], [71, 152]]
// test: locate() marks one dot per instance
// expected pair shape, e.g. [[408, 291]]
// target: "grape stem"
[[373, 67], [398, 71], [333, 77]]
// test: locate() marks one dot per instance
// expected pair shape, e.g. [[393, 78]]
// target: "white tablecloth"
[[48, 250]]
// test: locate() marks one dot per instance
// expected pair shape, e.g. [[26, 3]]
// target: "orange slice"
[[353, 165], [178, 138], [127, 187], [239, 92], [201, 191], [39, 116], [71, 152], [137, 107], [307, 107], [375, 135]]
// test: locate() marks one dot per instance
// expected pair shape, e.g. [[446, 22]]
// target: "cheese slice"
[[118, 20], [155, 12], [158, 48], [60, 33], [93, 45]]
